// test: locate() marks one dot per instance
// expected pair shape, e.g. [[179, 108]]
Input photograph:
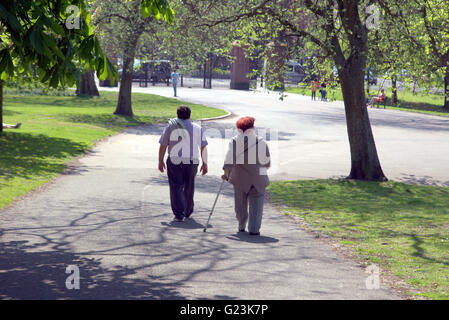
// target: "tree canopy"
[[49, 39]]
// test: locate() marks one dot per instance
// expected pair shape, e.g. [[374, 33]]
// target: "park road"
[[313, 141]]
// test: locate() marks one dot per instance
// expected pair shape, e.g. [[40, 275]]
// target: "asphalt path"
[[109, 214]]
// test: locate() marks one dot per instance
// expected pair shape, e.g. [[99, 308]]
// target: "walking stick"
[[215, 202]]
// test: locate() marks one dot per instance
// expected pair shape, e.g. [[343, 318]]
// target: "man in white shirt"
[[183, 139]]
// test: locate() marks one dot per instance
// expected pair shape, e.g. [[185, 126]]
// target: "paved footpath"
[[109, 215]]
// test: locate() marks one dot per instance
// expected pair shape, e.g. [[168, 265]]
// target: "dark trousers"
[[181, 179], [323, 95]]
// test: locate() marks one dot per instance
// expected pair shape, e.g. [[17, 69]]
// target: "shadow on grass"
[[422, 106], [104, 120], [420, 252], [414, 216], [383, 200], [28, 155], [7, 112], [60, 101]]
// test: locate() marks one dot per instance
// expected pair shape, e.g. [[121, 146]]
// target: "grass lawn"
[[57, 128], [401, 228], [420, 102]]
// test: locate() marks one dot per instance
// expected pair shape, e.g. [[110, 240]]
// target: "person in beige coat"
[[245, 167]]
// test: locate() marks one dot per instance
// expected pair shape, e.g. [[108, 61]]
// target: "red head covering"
[[245, 123]]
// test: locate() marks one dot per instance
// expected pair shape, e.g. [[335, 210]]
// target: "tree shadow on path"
[[41, 275]]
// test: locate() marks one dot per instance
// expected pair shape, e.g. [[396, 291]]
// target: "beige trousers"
[[253, 216]]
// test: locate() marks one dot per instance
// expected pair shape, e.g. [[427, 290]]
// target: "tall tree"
[[130, 20], [424, 23], [390, 53], [435, 17], [339, 30], [193, 46], [49, 37], [53, 37]]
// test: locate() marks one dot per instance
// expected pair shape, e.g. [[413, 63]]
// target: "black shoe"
[[178, 219], [254, 233], [242, 230]]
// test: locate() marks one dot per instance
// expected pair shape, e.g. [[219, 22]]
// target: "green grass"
[[420, 102], [57, 128], [402, 228]]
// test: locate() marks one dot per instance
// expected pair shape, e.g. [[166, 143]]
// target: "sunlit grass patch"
[[403, 228]]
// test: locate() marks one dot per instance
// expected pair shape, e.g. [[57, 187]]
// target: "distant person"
[[182, 138], [315, 86], [381, 98], [245, 167], [175, 77], [323, 91]]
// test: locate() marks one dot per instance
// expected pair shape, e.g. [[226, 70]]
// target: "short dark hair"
[[183, 112]]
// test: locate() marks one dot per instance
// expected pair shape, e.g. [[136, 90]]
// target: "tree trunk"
[[88, 86], [211, 69], [204, 74], [365, 163], [394, 81], [275, 66], [446, 89], [367, 82], [124, 106], [1, 105]]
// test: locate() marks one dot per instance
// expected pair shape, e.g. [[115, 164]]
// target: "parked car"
[[158, 70], [295, 72], [151, 71]]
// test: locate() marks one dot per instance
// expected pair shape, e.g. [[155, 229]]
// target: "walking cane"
[[215, 202]]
